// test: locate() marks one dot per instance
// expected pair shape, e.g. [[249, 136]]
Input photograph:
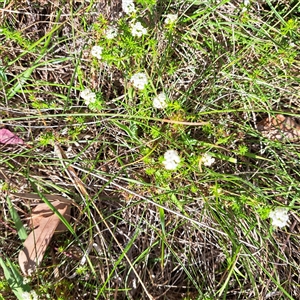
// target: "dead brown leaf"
[[42, 210], [45, 223], [280, 127]]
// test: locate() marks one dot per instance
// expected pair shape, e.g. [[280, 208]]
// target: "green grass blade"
[[17, 221], [14, 278]]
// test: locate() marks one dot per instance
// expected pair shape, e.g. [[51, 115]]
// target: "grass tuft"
[[174, 182]]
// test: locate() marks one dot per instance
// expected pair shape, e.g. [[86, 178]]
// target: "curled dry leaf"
[[280, 127], [43, 211], [9, 138], [45, 223]]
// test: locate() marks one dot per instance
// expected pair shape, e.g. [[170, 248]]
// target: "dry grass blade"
[[184, 122], [200, 229], [71, 172], [59, 198], [45, 223], [84, 194]]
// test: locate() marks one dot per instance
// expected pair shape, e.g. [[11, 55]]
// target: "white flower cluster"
[[88, 96], [128, 6], [279, 216], [160, 101], [111, 32], [246, 6], [171, 18], [97, 51], [30, 295], [172, 160], [207, 160], [137, 29], [139, 80]]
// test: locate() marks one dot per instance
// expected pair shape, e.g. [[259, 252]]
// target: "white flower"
[[207, 160], [111, 32], [160, 101], [279, 216], [97, 51], [137, 29], [172, 160], [30, 296], [26, 280], [246, 6], [139, 80], [88, 96], [128, 6], [26, 296], [171, 18]]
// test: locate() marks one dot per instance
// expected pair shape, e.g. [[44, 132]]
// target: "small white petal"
[[111, 32], [279, 216], [128, 6], [137, 29], [160, 101], [84, 94], [97, 51], [139, 80], [207, 160], [29, 295], [26, 296], [88, 96], [172, 160], [171, 18]]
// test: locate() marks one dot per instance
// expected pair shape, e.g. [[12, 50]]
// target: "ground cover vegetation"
[[171, 127]]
